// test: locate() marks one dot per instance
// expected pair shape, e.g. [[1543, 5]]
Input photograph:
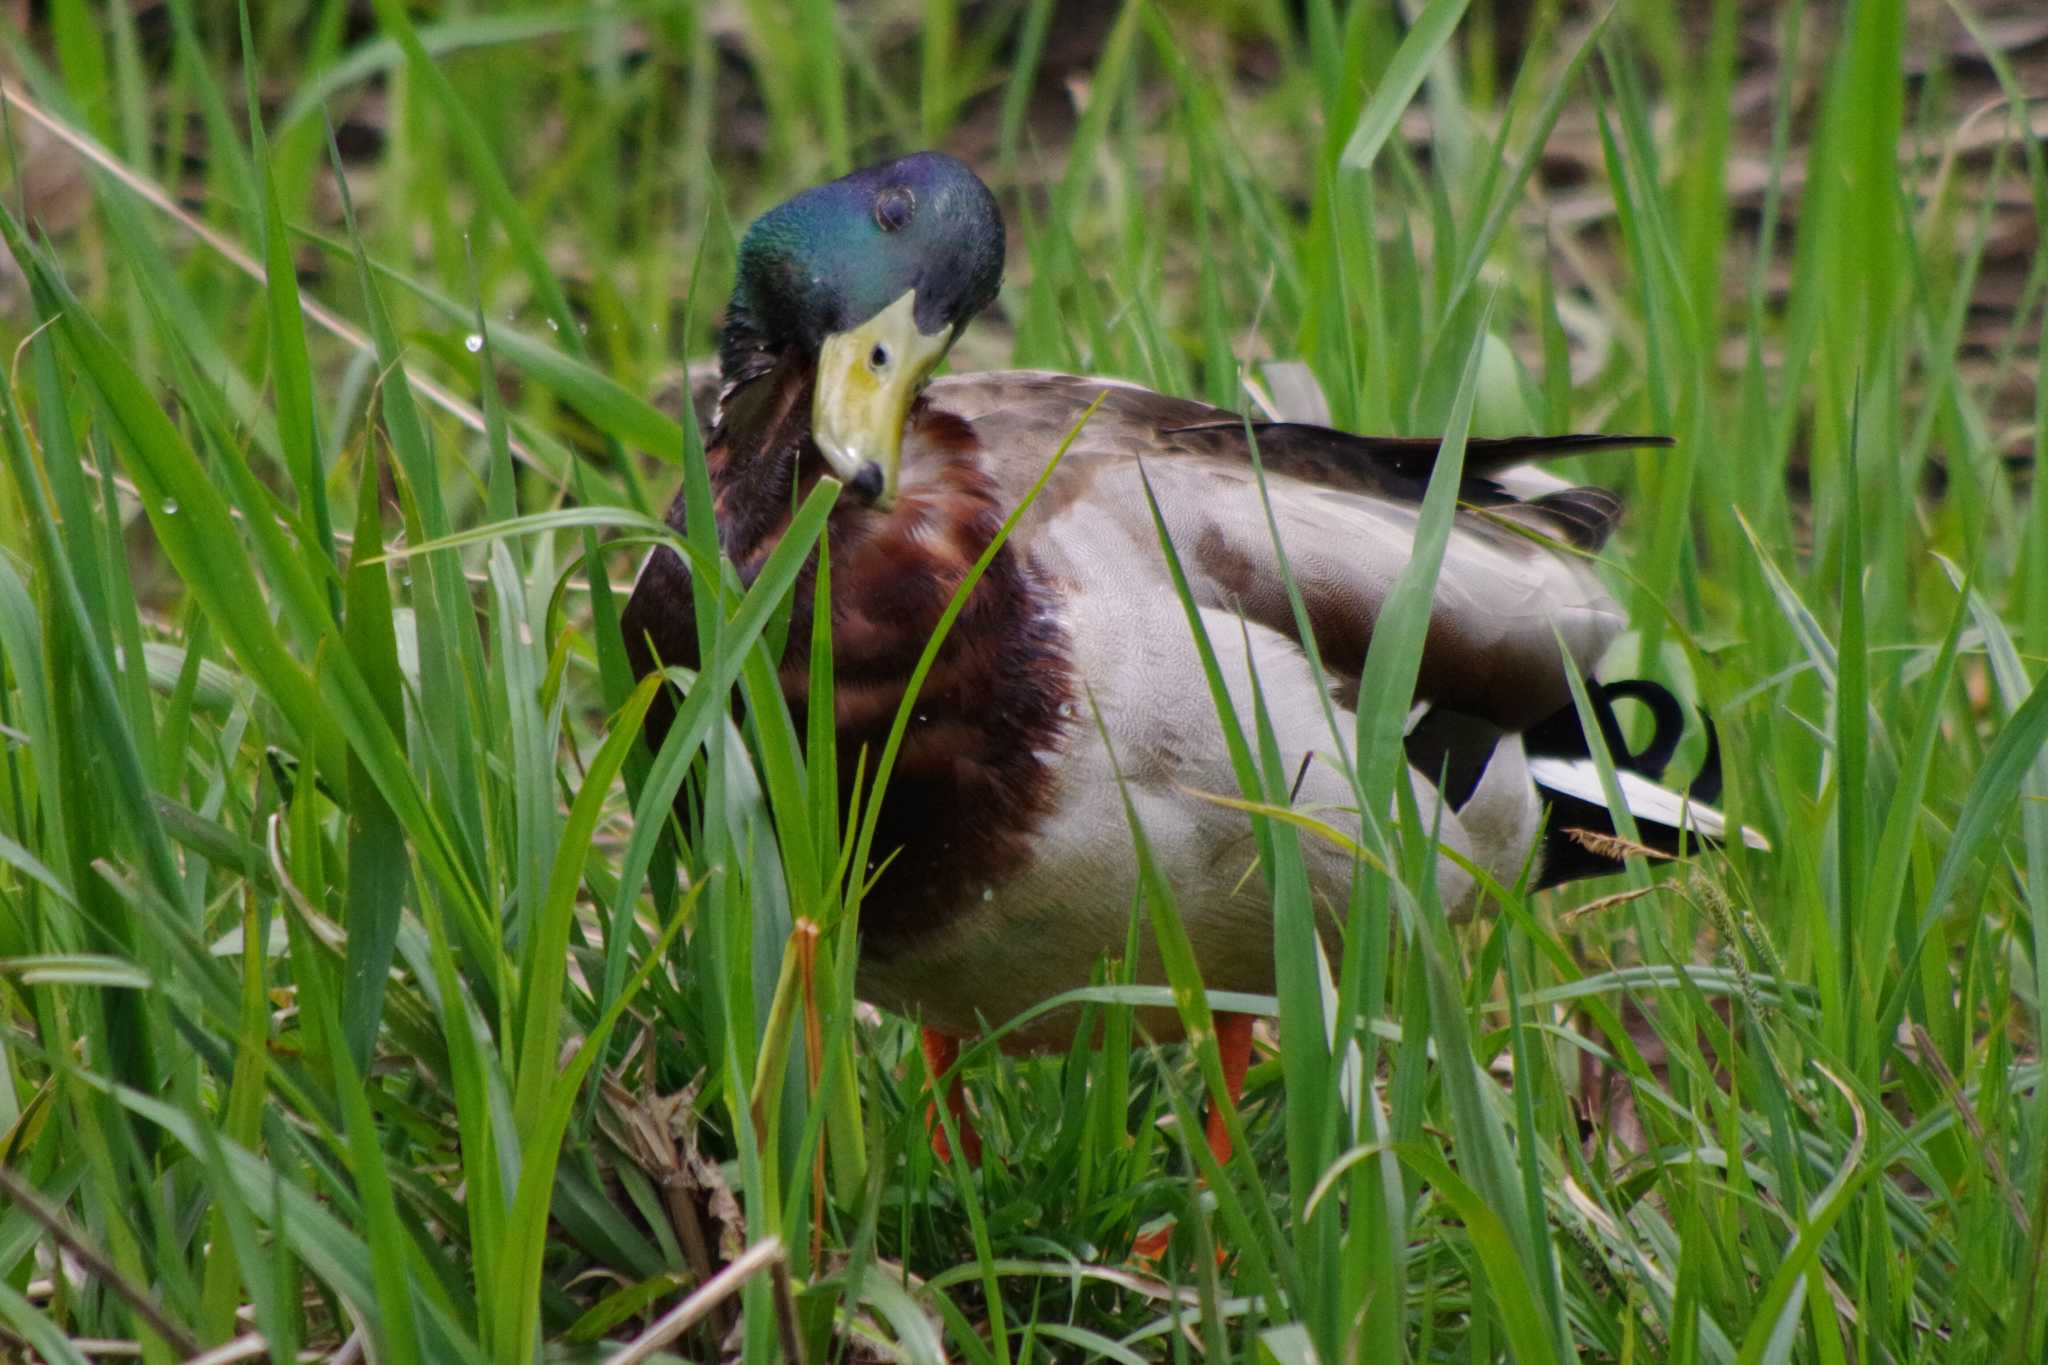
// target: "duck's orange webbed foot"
[[941, 1050]]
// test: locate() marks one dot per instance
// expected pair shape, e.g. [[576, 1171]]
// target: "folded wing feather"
[[1347, 515]]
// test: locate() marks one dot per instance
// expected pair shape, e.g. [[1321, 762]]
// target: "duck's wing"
[[1347, 509], [1497, 472]]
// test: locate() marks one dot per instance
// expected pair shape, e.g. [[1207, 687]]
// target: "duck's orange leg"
[[1234, 1042], [941, 1050]]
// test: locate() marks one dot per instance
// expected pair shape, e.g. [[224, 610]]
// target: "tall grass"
[[357, 980]]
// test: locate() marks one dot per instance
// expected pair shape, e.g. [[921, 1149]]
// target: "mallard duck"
[[1013, 870]]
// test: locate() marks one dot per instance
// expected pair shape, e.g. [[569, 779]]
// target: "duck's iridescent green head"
[[874, 274]]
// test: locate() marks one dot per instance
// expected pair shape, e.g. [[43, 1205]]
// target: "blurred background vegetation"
[[292, 835]]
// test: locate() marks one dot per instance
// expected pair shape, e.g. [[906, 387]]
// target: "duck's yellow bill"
[[867, 379]]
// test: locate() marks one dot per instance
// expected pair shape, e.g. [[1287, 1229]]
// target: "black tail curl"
[[1566, 858]]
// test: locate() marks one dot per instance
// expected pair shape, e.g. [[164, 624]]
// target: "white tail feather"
[[1580, 777]]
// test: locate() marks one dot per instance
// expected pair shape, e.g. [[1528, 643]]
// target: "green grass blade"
[[376, 848], [1420, 48]]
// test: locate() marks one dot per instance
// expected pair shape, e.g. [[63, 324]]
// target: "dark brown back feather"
[[1414, 456]]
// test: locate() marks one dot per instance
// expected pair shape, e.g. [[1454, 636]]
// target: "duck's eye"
[[878, 359], [894, 208]]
